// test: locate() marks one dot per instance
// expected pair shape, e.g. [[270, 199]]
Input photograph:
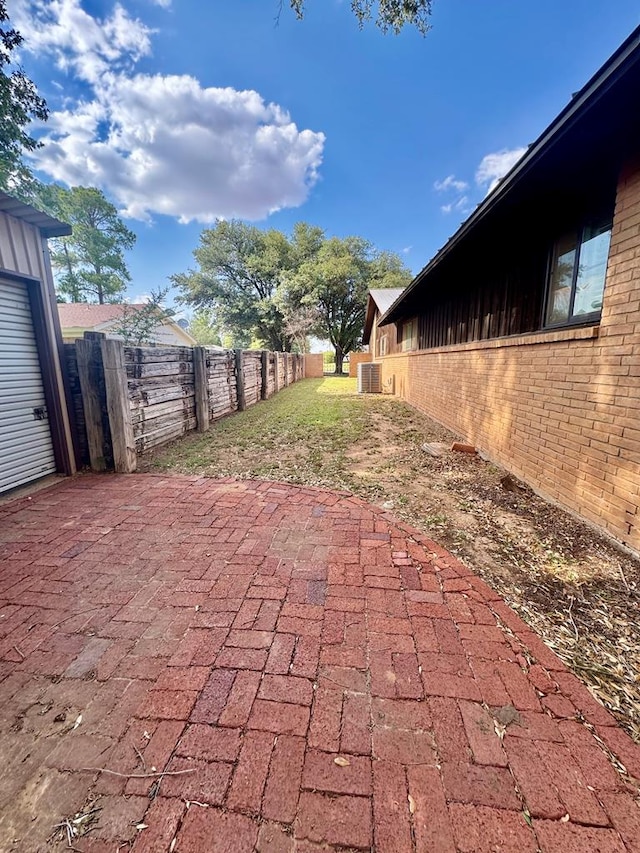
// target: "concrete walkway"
[[312, 675]]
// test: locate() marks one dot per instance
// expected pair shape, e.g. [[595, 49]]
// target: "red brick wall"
[[313, 366], [559, 409], [356, 358]]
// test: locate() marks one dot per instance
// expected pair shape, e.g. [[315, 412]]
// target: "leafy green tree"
[[389, 15], [239, 339], [90, 265], [336, 281], [139, 325], [204, 328], [279, 290], [20, 104], [238, 273], [299, 323]]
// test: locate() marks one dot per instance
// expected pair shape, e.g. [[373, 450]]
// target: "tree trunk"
[[75, 293], [100, 290], [339, 360]]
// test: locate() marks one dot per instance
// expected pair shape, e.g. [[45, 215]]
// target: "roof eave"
[[585, 98], [48, 226], [368, 320]]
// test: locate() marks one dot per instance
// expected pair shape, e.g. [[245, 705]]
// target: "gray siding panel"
[[26, 448], [21, 247]]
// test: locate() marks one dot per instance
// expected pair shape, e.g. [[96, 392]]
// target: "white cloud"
[[178, 149], [461, 205], [450, 183], [163, 144], [495, 166], [78, 42], [491, 169]]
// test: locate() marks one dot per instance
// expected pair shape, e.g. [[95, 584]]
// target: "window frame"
[[573, 319], [382, 346], [409, 344]]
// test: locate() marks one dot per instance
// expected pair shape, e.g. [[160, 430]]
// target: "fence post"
[[242, 404], [115, 380], [286, 369], [201, 386], [89, 360], [264, 368], [276, 385]]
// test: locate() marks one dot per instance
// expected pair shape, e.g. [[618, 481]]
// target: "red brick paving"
[[251, 633]]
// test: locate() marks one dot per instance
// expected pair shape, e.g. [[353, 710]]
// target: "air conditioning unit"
[[369, 378]]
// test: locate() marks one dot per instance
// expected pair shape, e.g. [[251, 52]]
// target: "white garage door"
[[26, 450]]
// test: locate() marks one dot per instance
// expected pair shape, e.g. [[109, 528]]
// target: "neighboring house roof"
[[380, 299], [48, 226], [587, 143], [83, 314], [78, 317]]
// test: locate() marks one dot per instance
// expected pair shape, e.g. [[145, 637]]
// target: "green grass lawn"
[[300, 435]]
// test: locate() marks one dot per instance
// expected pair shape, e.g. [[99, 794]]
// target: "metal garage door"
[[26, 450]]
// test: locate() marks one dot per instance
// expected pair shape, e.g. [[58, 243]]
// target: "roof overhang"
[[602, 118], [370, 313], [378, 300], [47, 225]]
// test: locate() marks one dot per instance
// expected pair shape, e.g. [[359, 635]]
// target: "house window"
[[577, 276], [382, 345], [408, 335]]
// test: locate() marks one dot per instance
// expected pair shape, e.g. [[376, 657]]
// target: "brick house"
[[379, 300], [522, 334]]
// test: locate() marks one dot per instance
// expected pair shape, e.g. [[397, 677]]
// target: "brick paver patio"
[[249, 634]]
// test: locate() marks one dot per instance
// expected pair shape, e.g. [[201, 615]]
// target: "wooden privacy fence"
[[128, 400]]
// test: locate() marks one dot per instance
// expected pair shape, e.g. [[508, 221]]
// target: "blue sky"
[[182, 110]]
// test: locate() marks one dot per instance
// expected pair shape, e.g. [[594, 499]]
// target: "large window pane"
[[592, 270], [559, 304], [408, 334]]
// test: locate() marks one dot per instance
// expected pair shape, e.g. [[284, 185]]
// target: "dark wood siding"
[[473, 306]]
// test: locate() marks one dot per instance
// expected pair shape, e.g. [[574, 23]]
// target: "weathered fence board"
[[139, 398], [162, 398], [252, 372], [118, 407], [271, 374], [144, 355], [223, 398], [91, 378], [164, 434], [77, 408], [281, 371], [156, 369]]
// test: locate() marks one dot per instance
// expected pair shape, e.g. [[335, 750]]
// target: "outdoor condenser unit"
[[369, 378]]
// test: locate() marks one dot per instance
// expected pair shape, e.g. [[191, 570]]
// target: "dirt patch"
[[572, 585]]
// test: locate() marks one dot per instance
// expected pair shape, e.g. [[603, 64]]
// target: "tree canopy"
[[20, 104], [335, 282], [389, 15], [239, 268], [138, 325], [90, 265], [204, 329], [279, 289]]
